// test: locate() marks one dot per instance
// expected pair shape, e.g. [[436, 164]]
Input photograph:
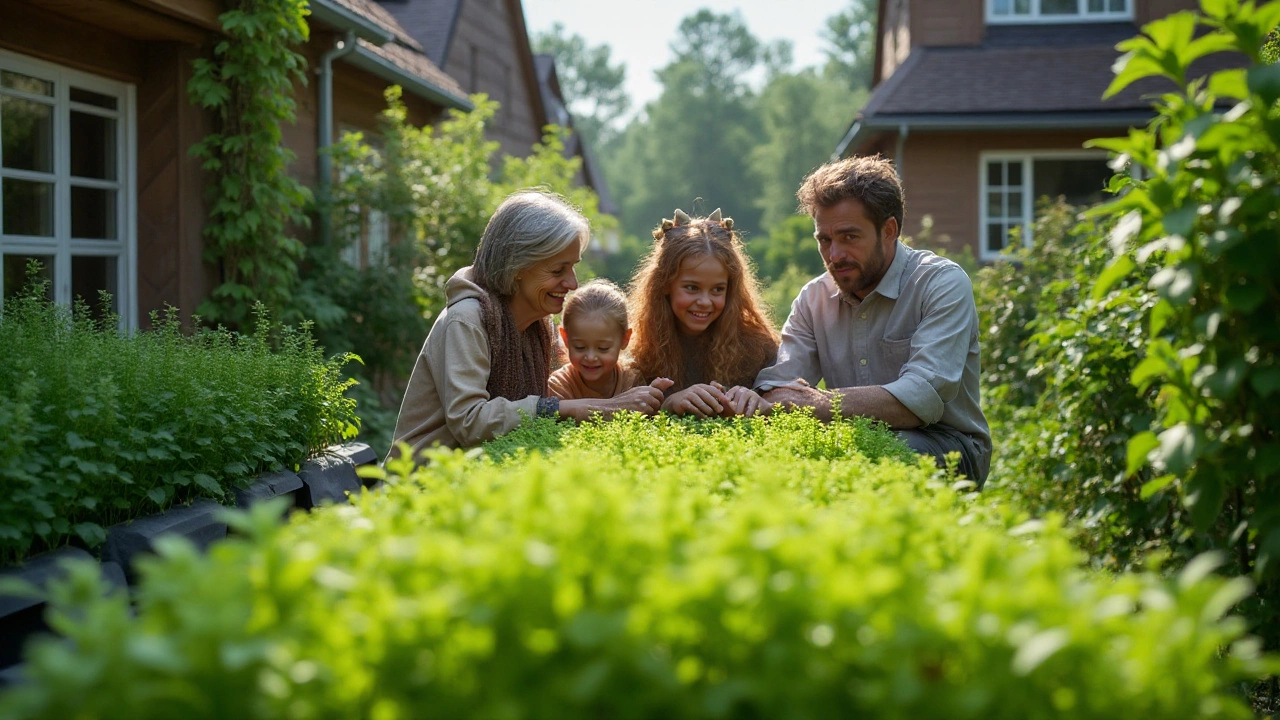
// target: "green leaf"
[[92, 534], [1139, 447], [1265, 381], [157, 495], [1118, 269], [1205, 495], [1154, 486], [1264, 81], [1179, 448], [1245, 296]]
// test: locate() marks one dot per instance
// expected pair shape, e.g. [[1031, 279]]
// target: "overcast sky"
[[640, 31]]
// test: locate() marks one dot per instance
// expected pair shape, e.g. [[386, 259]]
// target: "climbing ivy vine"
[[253, 202]]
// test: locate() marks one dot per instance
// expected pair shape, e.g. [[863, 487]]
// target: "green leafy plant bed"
[[647, 568], [97, 428]]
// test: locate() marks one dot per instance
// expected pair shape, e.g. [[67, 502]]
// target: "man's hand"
[[746, 402], [801, 395]]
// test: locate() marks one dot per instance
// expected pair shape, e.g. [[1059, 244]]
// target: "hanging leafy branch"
[[253, 202]]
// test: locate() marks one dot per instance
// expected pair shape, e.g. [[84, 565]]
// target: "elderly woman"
[[488, 356]]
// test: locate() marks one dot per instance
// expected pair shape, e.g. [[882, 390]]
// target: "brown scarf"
[[519, 363]]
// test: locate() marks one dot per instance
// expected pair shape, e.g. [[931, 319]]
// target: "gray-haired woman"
[[488, 355]]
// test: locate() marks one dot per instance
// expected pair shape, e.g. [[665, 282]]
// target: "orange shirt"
[[566, 384]]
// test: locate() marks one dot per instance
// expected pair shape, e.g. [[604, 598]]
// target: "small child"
[[699, 318], [595, 331]]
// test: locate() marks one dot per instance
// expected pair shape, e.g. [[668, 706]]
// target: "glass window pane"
[[994, 176], [1015, 173], [1021, 7], [999, 7], [995, 207], [26, 134], [93, 146], [995, 237], [1015, 205], [1059, 7], [93, 214], [88, 97], [25, 83], [28, 207], [1078, 182], [90, 277], [1118, 6], [1097, 6], [15, 274]]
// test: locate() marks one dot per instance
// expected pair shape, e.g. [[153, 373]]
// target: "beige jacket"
[[447, 402]]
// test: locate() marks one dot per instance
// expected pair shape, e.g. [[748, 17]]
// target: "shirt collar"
[[890, 285]]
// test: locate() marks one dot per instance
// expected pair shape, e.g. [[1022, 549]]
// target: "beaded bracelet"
[[548, 407]]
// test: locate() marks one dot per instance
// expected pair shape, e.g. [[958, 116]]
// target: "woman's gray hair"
[[528, 227]]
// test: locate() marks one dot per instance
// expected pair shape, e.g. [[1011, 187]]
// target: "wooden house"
[[985, 106], [96, 180]]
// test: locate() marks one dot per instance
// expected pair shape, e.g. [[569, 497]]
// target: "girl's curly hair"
[[739, 342]]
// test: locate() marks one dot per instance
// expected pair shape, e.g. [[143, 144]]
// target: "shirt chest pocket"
[[895, 353]]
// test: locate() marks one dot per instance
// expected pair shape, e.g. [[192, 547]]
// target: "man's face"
[[854, 253]]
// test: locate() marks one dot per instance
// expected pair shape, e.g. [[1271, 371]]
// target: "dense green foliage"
[[96, 428], [1056, 389], [1203, 221], [752, 568], [435, 189], [1130, 365], [253, 201]]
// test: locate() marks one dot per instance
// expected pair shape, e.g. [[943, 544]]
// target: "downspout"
[[903, 131], [345, 46]]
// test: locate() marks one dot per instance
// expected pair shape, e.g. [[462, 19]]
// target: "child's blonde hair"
[[598, 297]]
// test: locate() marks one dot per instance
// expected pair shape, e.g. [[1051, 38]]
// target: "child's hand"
[[646, 399], [701, 401], [747, 403], [662, 383]]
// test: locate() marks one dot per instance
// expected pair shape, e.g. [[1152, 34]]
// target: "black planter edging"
[[198, 522], [357, 452], [327, 478], [266, 487], [21, 617]]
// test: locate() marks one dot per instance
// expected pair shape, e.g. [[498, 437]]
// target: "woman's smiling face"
[[697, 294], [541, 287]]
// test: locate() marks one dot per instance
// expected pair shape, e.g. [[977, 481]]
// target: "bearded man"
[[893, 331]]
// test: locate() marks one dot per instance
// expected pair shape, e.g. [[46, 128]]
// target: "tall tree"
[[803, 116], [850, 36], [694, 142], [592, 84]]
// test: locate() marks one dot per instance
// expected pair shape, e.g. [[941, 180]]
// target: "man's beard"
[[868, 276]]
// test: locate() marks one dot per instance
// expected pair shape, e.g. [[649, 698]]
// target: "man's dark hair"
[[870, 180]]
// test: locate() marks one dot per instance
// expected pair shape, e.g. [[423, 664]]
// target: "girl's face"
[[594, 343], [697, 294]]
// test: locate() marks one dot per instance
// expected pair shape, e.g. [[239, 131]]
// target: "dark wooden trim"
[[51, 36]]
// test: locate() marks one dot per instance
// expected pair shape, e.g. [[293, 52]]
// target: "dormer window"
[[1058, 11]]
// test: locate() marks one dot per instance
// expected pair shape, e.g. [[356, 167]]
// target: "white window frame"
[[1083, 16], [1027, 158], [61, 245]]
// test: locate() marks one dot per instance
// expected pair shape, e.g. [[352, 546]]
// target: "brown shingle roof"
[[404, 51], [1035, 71]]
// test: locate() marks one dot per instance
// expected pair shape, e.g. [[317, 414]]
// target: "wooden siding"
[[895, 38], [42, 33], [1145, 11], [941, 23], [940, 176], [171, 207], [484, 56]]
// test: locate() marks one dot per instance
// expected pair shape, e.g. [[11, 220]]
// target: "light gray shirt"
[[915, 335]]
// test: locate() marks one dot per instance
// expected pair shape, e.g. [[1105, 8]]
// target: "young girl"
[[595, 332], [699, 319]]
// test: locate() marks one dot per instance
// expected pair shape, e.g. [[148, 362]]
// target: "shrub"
[[1056, 388], [1203, 222], [97, 428], [753, 568]]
